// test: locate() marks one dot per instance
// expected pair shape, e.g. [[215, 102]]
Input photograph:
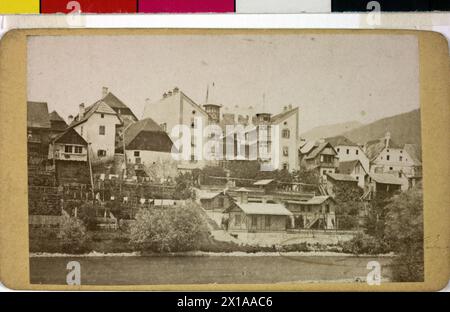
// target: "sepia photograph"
[[264, 157]]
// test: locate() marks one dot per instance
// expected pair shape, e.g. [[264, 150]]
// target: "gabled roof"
[[263, 209], [316, 151], [70, 136], [385, 178], [37, 115], [54, 116], [97, 107], [283, 115], [209, 194], [340, 140], [375, 147], [147, 135], [346, 167], [342, 177], [307, 147], [264, 182], [115, 103]]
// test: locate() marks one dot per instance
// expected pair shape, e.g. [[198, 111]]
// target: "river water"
[[160, 270]]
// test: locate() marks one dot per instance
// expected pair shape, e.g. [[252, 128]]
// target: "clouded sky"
[[331, 78]]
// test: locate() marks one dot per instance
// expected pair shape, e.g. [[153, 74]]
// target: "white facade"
[[63, 151], [348, 153], [392, 160], [287, 138], [99, 130], [147, 158]]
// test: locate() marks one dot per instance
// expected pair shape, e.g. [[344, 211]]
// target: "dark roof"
[[115, 103], [318, 149], [54, 116], [283, 115], [70, 136], [340, 140], [37, 115], [347, 167], [147, 135]]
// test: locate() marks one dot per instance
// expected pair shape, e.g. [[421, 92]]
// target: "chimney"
[[70, 119], [387, 138], [175, 90], [169, 93], [104, 92], [164, 95], [81, 113]]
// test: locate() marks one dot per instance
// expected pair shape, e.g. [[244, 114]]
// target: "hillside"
[[330, 130], [404, 128]]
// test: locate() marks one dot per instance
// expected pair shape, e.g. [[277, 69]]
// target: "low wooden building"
[[383, 184], [69, 153], [318, 212], [215, 201], [257, 217], [335, 180]]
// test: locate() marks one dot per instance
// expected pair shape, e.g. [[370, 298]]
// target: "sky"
[[331, 78]]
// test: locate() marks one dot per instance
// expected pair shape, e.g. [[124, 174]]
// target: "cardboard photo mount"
[[434, 72]]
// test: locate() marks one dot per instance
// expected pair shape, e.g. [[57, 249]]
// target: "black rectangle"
[[390, 5]]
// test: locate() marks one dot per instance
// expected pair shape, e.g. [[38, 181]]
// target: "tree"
[[169, 229], [404, 233], [72, 234], [184, 185]]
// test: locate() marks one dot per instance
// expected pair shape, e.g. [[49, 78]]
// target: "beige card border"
[[435, 112]]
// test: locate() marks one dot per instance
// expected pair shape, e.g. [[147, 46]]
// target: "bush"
[[72, 235], [347, 222], [365, 244], [168, 229]]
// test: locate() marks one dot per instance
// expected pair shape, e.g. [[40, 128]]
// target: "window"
[[400, 158], [78, 149], [286, 133], [137, 160], [221, 201], [254, 221], [267, 221], [193, 112], [327, 208], [348, 151], [101, 130], [237, 220], [387, 157], [387, 150], [285, 166], [338, 149], [101, 153], [357, 152], [390, 168], [103, 115], [68, 149], [285, 151], [285, 123], [163, 126], [136, 153]]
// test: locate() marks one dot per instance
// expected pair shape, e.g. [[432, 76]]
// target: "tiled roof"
[[414, 152], [37, 115], [264, 209]]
